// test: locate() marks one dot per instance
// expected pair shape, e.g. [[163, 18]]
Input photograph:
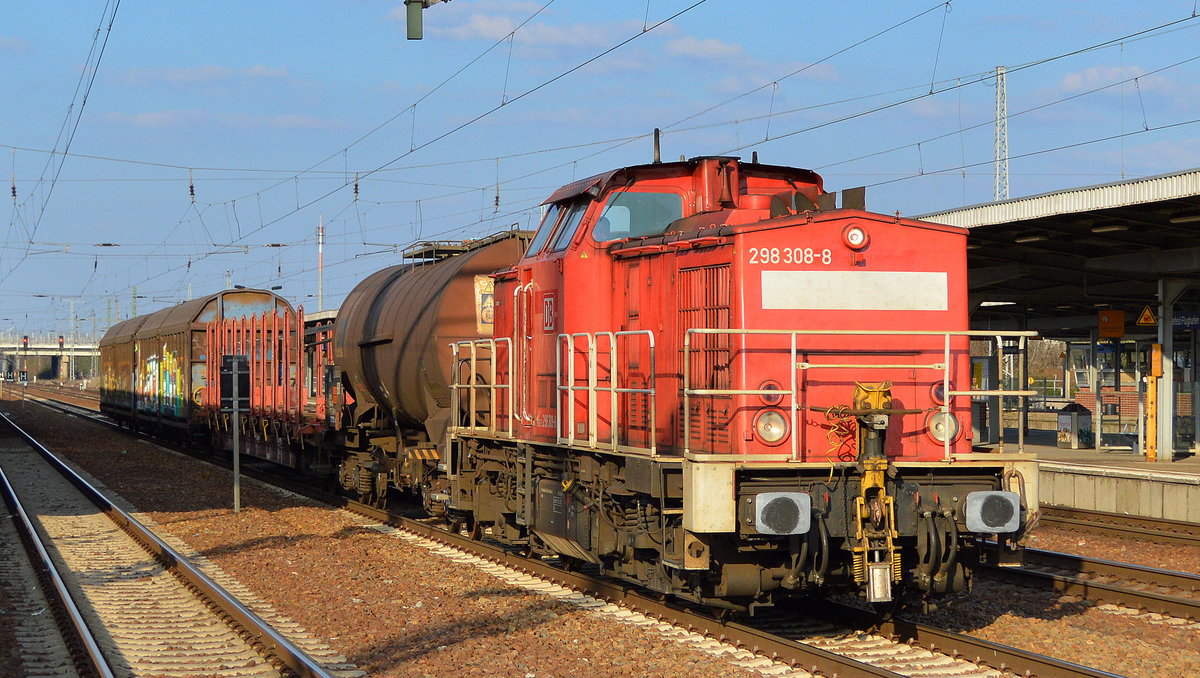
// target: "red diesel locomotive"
[[704, 377]]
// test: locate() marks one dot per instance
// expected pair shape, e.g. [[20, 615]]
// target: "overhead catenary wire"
[[292, 175], [772, 115], [989, 122], [454, 130], [74, 127], [977, 79], [1053, 149]]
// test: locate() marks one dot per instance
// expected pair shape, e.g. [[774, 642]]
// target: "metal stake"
[[237, 429]]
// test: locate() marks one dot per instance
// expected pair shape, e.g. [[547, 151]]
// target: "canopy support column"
[[1169, 291]]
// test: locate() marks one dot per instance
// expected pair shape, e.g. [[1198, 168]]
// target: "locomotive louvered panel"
[[709, 422], [704, 302], [635, 411]]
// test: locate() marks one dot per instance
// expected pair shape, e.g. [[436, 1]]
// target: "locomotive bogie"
[[646, 520]]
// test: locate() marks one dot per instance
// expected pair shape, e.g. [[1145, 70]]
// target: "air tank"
[[393, 332]]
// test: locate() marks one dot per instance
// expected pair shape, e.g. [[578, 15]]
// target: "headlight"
[[771, 426], [855, 237], [942, 426], [773, 399], [782, 512], [993, 512], [938, 392]]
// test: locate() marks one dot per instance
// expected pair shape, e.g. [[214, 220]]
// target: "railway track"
[[1155, 529], [89, 400], [829, 640], [134, 605], [840, 641], [1159, 530], [1175, 594]]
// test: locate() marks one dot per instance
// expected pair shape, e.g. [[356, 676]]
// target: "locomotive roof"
[[600, 182]]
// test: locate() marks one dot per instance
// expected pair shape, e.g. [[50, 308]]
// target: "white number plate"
[[790, 255]]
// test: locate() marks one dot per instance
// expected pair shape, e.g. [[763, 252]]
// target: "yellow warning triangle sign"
[[1146, 317]]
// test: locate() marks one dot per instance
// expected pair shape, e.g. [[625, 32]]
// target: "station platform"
[[1045, 445], [1113, 480]]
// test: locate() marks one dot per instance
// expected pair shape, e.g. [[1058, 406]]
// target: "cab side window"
[[549, 219], [570, 222], [635, 215]]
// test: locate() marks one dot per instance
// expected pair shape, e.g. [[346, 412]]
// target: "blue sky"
[[272, 108]]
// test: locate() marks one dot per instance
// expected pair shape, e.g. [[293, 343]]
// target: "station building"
[[1113, 270]]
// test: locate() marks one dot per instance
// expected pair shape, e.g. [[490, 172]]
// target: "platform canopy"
[[1050, 262]]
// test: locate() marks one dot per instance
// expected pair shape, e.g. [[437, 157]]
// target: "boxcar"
[[153, 365]]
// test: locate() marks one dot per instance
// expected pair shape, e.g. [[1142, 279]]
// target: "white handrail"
[[472, 388], [944, 366], [593, 388]]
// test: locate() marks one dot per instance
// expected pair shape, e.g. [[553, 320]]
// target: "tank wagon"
[[154, 365], [393, 345], [705, 377]]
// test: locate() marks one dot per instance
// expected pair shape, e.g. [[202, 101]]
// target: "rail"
[[1157, 530], [472, 387], [593, 388], [43, 563], [1134, 586], [275, 643], [793, 392]]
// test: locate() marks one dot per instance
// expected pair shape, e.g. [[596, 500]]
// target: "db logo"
[[549, 315]]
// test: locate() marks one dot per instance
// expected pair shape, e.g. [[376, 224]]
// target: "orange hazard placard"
[[1147, 317], [1111, 323]]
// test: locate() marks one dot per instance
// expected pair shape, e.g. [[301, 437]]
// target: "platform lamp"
[[414, 19]]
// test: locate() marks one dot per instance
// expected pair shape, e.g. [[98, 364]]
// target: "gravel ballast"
[[394, 609], [390, 607]]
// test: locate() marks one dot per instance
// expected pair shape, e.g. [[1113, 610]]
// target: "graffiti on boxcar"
[[171, 399], [148, 393]]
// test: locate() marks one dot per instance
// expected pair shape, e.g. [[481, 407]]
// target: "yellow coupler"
[[875, 509]]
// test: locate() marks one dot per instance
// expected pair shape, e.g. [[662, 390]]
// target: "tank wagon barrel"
[[393, 333]]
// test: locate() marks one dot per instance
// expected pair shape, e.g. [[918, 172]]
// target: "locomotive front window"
[[543, 233], [570, 222], [635, 215]]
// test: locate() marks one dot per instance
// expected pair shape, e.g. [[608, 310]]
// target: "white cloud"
[[261, 71], [489, 27], [614, 65], [493, 27], [1152, 158], [1100, 76], [1166, 156], [526, 7], [157, 119], [736, 84], [753, 74], [494, 20], [13, 44], [703, 48], [199, 75], [170, 119]]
